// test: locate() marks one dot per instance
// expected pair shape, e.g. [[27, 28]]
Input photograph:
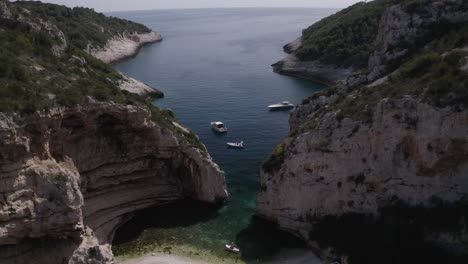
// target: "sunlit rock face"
[[71, 177]]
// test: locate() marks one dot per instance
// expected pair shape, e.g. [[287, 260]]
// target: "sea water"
[[214, 65]]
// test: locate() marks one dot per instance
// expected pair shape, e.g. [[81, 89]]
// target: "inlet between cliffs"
[[214, 65]]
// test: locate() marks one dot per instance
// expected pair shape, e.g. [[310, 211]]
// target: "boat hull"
[[220, 130], [234, 146], [279, 108]]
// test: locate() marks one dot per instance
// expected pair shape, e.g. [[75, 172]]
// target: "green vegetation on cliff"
[[42, 66], [275, 160], [348, 36], [43, 63], [32, 77], [433, 69], [81, 26], [437, 75]]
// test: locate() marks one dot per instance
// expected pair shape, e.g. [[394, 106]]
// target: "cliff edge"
[[124, 46], [375, 167]]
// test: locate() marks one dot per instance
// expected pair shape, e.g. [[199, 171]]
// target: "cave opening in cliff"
[[193, 228], [179, 214]]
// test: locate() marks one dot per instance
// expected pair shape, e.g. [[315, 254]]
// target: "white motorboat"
[[232, 248], [218, 126], [280, 106], [236, 144]]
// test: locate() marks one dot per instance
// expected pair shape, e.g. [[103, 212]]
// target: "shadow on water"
[[167, 216], [262, 239], [219, 135]]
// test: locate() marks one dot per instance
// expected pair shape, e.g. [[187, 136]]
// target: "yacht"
[[236, 144], [218, 126], [282, 105]]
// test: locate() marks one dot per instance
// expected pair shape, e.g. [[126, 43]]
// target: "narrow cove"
[[214, 64]]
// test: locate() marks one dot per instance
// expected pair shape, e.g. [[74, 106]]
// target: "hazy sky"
[[120, 5]]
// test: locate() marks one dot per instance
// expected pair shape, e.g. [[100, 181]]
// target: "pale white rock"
[[123, 46], [138, 87], [293, 46]]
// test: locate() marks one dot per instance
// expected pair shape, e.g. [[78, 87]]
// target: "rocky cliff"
[[377, 171], [124, 46], [75, 175], [80, 150]]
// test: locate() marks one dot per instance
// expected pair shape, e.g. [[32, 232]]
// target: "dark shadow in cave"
[[398, 236], [262, 239], [178, 214]]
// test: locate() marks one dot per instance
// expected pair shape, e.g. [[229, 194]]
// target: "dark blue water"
[[214, 64]]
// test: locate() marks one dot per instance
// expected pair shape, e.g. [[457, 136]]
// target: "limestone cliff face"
[[71, 177], [412, 153], [124, 46], [373, 187]]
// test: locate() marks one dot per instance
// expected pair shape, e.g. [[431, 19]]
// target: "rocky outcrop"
[[123, 46], [137, 87], [400, 28], [311, 70], [71, 177], [292, 46]]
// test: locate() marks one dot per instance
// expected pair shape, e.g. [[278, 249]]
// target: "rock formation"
[[411, 153], [124, 46], [71, 177], [387, 181], [137, 87]]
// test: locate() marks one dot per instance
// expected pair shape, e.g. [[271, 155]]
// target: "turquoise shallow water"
[[214, 64]]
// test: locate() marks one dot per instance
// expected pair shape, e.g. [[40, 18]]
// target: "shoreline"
[[160, 259], [124, 46], [135, 86], [290, 256]]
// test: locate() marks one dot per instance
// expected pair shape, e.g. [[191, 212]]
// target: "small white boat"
[[236, 144], [282, 105], [232, 248], [218, 126]]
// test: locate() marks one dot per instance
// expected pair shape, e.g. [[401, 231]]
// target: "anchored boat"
[[236, 144], [281, 106], [219, 126]]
